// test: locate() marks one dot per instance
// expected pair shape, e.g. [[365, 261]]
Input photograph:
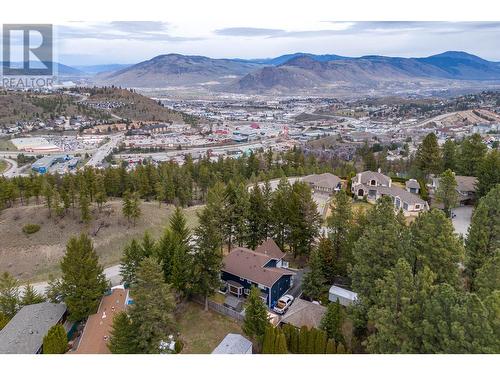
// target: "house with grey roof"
[[323, 183], [25, 331], [234, 343], [466, 188], [374, 185], [304, 313]]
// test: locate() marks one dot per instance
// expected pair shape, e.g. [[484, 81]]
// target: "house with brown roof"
[[304, 313], [262, 268], [466, 188]]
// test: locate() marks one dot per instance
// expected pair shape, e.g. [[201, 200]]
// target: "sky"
[[89, 43]]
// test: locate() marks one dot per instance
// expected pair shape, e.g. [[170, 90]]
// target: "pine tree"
[[446, 192], [255, 322], [340, 226], [428, 156], [327, 256], [133, 254], [207, 257], [101, 195], [152, 311], [333, 321], [268, 342], [127, 205], [9, 295], [235, 214], [178, 225], [84, 203], [55, 341], [48, 193], [31, 296], [483, 238], [135, 207], [435, 245], [449, 155], [471, 152], [313, 283], [83, 283], [165, 250], [488, 173], [181, 269], [488, 276], [256, 219], [280, 226], [123, 335]]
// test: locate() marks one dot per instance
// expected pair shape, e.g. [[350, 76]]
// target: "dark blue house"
[[262, 268]]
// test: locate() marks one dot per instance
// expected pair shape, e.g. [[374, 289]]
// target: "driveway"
[[462, 219], [296, 289]]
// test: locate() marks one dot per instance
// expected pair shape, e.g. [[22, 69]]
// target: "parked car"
[[283, 304]]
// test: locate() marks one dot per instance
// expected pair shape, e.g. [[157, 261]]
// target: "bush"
[[56, 341], [31, 228]]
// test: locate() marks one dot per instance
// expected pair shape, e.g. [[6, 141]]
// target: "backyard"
[[201, 331]]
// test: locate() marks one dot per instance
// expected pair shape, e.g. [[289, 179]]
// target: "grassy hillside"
[[35, 256]]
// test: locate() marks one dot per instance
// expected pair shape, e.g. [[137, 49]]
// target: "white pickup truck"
[[283, 304]]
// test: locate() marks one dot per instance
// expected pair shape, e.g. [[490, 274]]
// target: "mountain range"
[[298, 72]]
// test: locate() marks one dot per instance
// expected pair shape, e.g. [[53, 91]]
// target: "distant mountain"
[[303, 71], [59, 69], [285, 58], [306, 72], [95, 69], [178, 70]]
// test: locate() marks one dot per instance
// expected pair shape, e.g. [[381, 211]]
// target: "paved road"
[[13, 169], [103, 151], [112, 274], [462, 219]]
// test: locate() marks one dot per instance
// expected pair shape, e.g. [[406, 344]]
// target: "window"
[[417, 207], [263, 287], [242, 279], [373, 182], [246, 291], [405, 206]]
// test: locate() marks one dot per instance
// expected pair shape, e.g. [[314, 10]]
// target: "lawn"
[[361, 206], [6, 145], [201, 331]]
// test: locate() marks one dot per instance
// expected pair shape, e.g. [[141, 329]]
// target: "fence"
[[221, 309]]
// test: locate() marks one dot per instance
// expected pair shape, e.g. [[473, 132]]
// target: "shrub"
[[31, 228]]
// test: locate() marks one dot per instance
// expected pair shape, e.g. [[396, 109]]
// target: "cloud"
[[247, 31], [121, 30]]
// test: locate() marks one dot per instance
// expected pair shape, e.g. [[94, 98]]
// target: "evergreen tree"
[[320, 342], [55, 341], [313, 283], [255, 322], [235, 213], [330, 347], [165, 251], [31, 296], [377, 250], [178, 225], [435, 245], [268, 342], [84, 203], [123, 335], [181, 269], [280, 218], [488, 173], [256, 219], [135, 207], [48, 194], [446, 192], [152, 311], [133, 254], [100, 196], [471, 152], [449, 155], [340, 226], [9, 295], [83, 283], [303, 339], [207, 257], [428, 156], [488, 276], [483, 238], [127, 205], [327, 256], [333, 321], [280, 343]]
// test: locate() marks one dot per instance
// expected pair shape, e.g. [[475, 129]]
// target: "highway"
[[103, 151], [13, 170]]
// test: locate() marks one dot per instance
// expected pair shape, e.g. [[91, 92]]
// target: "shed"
[[344, 296], [304, 313], [234, 343]]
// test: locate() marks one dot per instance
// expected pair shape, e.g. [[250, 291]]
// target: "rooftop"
[[304, 313], [271, 249], [249, 265], [25, 332], [324, 180], [233, 344], [341, 292]]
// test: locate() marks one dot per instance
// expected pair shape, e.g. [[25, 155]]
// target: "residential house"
[[234, 344], [25, 331], [262, 268], [412, 186], [324, 183], [466, 188], [304, 313], [374, 185]]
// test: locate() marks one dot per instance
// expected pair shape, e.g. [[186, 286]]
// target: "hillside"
[[177, 70]]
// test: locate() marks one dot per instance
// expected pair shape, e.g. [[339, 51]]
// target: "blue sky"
[[86, 43]]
